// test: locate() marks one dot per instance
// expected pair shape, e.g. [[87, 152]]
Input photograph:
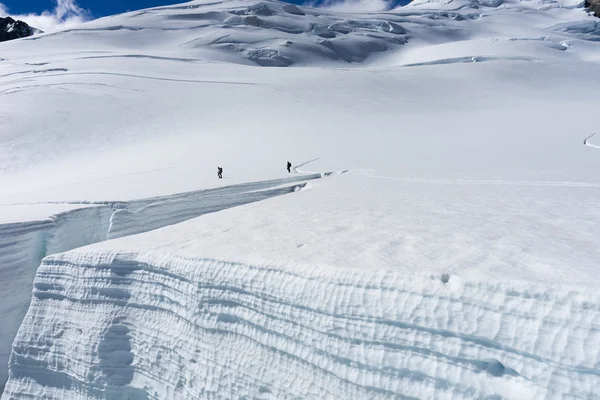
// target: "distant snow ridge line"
[[159, 326], [23, 245], [458, 5], [263, 33], [299, 34], [583, 30]]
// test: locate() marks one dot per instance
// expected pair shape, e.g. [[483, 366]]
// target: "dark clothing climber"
[[220, 172], [289, 166]]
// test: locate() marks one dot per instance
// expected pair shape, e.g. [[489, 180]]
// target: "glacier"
[[437, 238]]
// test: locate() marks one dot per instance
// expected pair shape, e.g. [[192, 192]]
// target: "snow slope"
[[457, 258]]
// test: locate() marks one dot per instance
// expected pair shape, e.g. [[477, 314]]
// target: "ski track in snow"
[[148, 77], [44, 71], [144, 56], [24, 244], [470, 59], [303, 171], [486, 182], [297, 167], [587, 142], [19, 89]]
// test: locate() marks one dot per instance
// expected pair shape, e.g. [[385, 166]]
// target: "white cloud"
[[351, 6], [66, 13]]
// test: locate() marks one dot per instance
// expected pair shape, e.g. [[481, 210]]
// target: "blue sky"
[[98, 8], [50, 15]]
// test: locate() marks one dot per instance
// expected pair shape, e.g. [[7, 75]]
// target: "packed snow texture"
[[458, 257], [180, 327]]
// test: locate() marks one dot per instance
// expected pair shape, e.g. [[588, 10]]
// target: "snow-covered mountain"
[[11, 29], [593, 6], [437, 237]]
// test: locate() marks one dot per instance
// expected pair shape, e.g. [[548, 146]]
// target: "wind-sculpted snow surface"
[[264, 33], [158, 326], [24, 244], [22, 247]]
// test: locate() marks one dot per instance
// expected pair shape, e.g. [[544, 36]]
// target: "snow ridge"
[[159, 326], [23, 245]]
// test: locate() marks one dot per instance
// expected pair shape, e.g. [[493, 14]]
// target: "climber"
[[289, 166], [220, 172]]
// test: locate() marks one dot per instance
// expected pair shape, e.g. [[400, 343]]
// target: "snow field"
[[457, 258]]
